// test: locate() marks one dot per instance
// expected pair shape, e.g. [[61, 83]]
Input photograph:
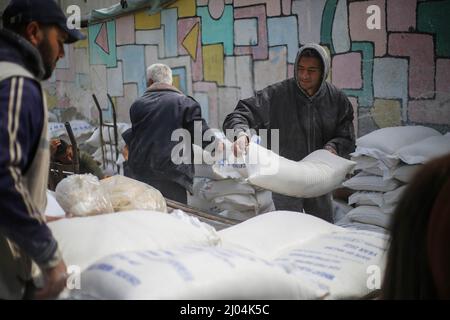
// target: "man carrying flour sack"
[[310, 114]]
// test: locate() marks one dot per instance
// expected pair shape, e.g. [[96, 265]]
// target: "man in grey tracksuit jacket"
[[310, 114]]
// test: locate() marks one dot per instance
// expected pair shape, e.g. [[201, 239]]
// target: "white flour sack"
[[386, 142], [268, 233], [425, 150], [317, 174], [190, 272], [348, 264], [85, 240]]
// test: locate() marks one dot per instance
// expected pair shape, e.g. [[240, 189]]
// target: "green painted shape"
[[218, 30], [364, 95], [96, 54], [432, 17], [326, 30]]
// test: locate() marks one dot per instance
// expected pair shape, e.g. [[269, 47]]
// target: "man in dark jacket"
[[309, 113], [155, 116], [30, 45]]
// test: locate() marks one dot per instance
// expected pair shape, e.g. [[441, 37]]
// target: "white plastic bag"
[[129, 194], [83, 195]]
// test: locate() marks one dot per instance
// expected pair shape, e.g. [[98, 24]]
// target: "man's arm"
[[251, 113], [21, 120], [89, 165], [344, 140]]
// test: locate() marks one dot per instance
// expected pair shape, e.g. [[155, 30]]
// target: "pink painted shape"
[[184, 27], [125, 30], [420, 49], [211, 89], [273, 6], [346, 70], [102, 38], [63, 100], [67, 75], [260, 51], [423, 111], [443, 76], [216, 8], [401, 15], [358, 25], [202, 2], [287, 6]]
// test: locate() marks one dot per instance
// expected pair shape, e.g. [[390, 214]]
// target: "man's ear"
[[34, 33]]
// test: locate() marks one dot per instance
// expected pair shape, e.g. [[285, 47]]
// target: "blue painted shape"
[[390, 79], [202, 99], [284, 31], [83, 81], [340, 33], [115, 81], [246, 32], [181, 73], [218, 31], [364, 95], [169, 18], [96, 54], [63, 63], [133, 65]]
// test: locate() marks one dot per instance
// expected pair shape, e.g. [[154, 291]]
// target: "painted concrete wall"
[[224, 50]]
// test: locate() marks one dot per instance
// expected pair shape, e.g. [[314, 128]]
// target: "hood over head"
[[325, 62]]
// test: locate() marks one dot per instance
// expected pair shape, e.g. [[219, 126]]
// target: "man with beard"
[[31, 43]]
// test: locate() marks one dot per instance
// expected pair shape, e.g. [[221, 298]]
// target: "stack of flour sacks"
[[387, 160], [221, 189]]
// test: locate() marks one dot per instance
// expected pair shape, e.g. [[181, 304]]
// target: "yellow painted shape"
[[213, 63], [176, 82], [82, 43], [52, 101], [191, 40], [186, 8], [386, 113], [144, 21]]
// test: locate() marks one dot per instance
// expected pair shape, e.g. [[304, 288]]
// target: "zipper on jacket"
[[310, 126]]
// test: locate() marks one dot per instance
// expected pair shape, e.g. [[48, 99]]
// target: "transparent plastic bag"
[[83, 195], [129, 194]]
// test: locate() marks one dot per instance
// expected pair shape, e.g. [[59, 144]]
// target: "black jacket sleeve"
[[251, 113], [344, 140], [193, 115]]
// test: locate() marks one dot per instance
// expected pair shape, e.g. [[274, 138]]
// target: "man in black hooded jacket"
[[309, 113]]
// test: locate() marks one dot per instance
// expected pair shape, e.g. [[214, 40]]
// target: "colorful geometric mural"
[[223, 50]]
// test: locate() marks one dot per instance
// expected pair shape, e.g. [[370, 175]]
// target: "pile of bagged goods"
[[126, 246], [110, 159], [387, 159], [143, 254], [221, 189]]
